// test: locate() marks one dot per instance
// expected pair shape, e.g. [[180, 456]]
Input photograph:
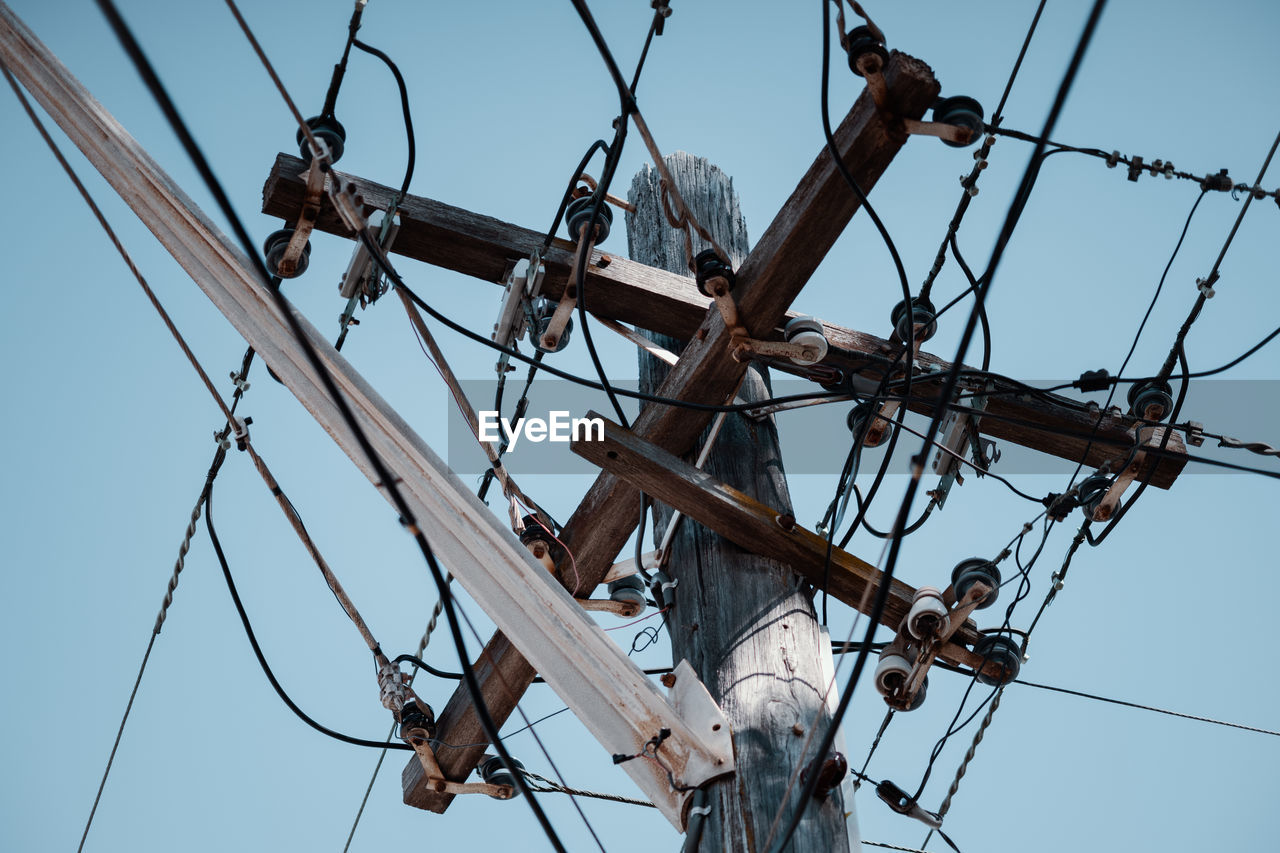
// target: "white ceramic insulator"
[[813, 340], [928, 609], [891, 664]]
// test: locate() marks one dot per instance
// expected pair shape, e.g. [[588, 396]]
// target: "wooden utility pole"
[[740, 618]]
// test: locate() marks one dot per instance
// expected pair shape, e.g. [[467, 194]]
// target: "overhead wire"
[[202, 165], [257, 648], [1011, 219], [406, 515], [183, 548]]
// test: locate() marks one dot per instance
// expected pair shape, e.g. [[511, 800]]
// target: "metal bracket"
[[623, 609], [960, 437], [569, 299], [310, 212], [1149, 437], [772, 349], [436, 780], [872, 68], [718, 287], [523, 283], [956, 617], [363, 275]]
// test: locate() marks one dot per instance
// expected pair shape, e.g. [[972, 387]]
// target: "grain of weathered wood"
[[737, 614], [609, 512], [754, 526]]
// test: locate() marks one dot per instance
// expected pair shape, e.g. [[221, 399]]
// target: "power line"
[[144, 67], [1152, 708], [178, 565], [1011, 219]]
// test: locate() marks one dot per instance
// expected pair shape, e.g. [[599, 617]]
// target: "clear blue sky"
[[108, 434]]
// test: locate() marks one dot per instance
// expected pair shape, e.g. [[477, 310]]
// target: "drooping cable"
[[218, 458], [1011, 219], [404, 108], [127, 39], [257, 649]]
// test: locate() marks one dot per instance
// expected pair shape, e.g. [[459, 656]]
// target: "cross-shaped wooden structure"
[[647, 458]]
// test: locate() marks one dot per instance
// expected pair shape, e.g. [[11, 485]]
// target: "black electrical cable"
[[838, 160], [1067, 433], [340, 70], [580, 274], [1164, 443], [962, 206], [1129, 355], [257, 649], [1200, 374], [654, 29], [1006, 231], [1206, 286], [973, 288], [457, 676], [143, 65], [404, 108], [624, 93], [382, 261], [883, 534], [598, 145], [644, 519]]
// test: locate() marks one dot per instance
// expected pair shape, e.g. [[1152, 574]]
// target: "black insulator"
[[535, 532], [861, 43], [968, 572], [578, 214], [328, 129], [859, 420], [495, 772], [1004, 653], [417, 717], [1151, 401], [706, 266], [962, 111], [921, 314], [541, 329], [628, 590], [273, 248], [543, 308], [831, 771], [1092, 490]]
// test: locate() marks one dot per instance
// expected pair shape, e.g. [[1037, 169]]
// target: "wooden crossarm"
[[754, 526]]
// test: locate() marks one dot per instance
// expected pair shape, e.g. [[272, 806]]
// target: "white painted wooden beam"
[[591, 674]]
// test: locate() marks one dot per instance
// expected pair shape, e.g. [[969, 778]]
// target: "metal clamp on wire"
[[523, 284], [897, 799], [392, 687], [240, 430]]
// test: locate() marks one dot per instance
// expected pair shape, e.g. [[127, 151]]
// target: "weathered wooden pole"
[[739, 618]]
